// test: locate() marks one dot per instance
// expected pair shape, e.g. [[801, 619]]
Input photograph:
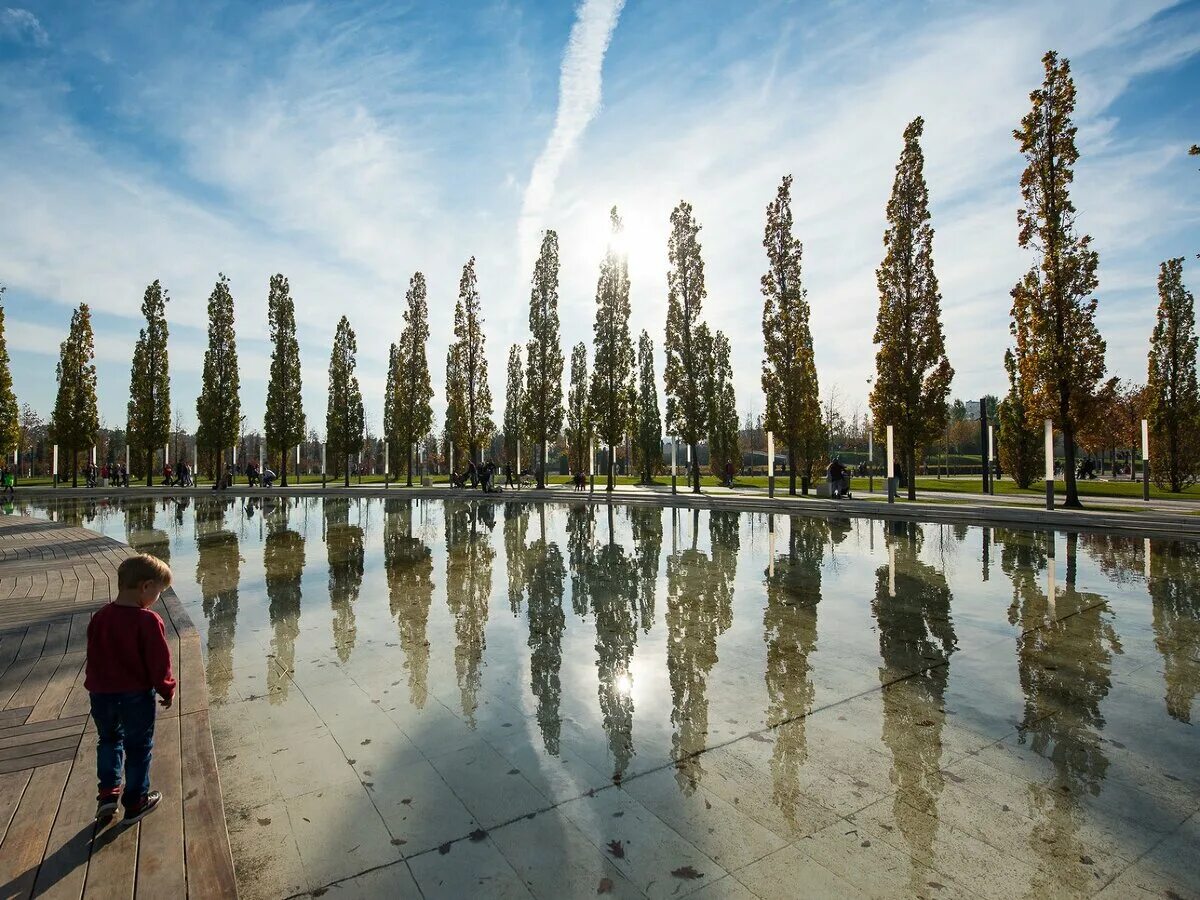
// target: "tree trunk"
[[612, 469], [409, 462], [149, 468], [695, 468], [1072, 500], [282, 468], [791, 470], [346, 470], [541, 472], [910, 468], [74, 468]]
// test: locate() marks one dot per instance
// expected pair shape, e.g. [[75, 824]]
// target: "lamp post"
[[673, 461], [991, 460], [1145, 461], [771, 467], [386, 472], [592, 465], [324, 447], [871, 458], [54, 474], [1049, 464], [891, 463]]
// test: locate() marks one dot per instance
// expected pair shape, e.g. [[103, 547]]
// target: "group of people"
[[256, 478], [485, 475], [182, 475]]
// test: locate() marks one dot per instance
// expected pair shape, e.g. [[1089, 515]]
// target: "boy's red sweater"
[[127, 651]]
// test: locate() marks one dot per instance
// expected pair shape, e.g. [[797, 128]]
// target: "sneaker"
[[106, 806], [143, 809]]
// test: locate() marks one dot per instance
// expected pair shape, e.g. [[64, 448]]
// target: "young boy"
[[128, 662]]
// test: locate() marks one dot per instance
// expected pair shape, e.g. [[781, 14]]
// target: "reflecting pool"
[[507, 698]]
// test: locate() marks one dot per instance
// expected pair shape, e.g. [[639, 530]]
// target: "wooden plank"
[[45, 745], [78, 639], [25, 841], [64, 868], [56, 638], [35, 682], [193, 692], [30, 737], [40, 759], [160, 868], [10, 643], [11, 680], [10, 718], [35, 639], [12, 786], [209, 860], [113, 864], [50, 704]]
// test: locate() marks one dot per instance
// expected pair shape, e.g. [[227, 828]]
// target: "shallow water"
[[908, 709]]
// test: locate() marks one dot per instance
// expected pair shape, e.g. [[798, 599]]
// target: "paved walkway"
[[52, 578]]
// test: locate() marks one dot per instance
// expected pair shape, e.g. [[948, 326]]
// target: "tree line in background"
[[1055, 367]]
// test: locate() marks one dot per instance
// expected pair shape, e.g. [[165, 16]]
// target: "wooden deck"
[[52, 577]]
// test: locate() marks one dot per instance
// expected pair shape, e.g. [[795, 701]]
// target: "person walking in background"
[[9, 478], [128, 663]]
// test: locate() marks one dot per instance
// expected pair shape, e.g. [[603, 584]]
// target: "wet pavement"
[[515, 699]]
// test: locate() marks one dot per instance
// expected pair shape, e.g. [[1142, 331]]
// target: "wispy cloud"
[[578, 102], [22, 25]]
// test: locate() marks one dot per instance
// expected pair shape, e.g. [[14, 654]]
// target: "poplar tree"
[[10, 428], [789, 371], [513, 401], [219, 406], [76, 419], [148, 415], [723, 417], [408, 410], [688, 344], [1021, 447], [1058, 348], [647, 419], [344, 422], [455, 427], [912, 379], [612, 366], [1174, 416], [471, 364], [284, 420], [579, 414], [543, 355]]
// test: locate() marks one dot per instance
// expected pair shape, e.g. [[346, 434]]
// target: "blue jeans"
[[125, 727]]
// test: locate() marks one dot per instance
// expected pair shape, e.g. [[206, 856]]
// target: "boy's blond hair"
[[141, 568]]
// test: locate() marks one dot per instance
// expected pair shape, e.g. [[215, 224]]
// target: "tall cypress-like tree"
[[543, 355], [408, 410], [612, 365], [647, 419], [579, 414], [722, 417], [10, 427], [284, 421], [476, 394], [1021, 445], [456, 429], [688, 343], [912, 379], [1058, 348], [344, 421], [513, 403], [789, 371], [148, 418], [1174, 416], [219, 406], [76, 419]]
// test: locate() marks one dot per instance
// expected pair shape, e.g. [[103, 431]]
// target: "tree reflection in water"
[[469, 557], [1064, 660], [699, 610], [790, 631], [345, 552], [408, 564], [646, 522], [1174, 576], [283, 568], [140, 531], [545, 576], [516, 527], [218, 568], [916, 640]]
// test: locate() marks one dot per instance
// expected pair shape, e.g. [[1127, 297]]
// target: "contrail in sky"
[[578, 102]]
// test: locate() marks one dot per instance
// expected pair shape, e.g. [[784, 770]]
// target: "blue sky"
[[348, 144]]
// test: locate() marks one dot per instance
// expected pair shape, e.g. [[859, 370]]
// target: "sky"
[[350, 144]]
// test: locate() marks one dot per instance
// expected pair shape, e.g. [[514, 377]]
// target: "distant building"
[[972, 407]]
